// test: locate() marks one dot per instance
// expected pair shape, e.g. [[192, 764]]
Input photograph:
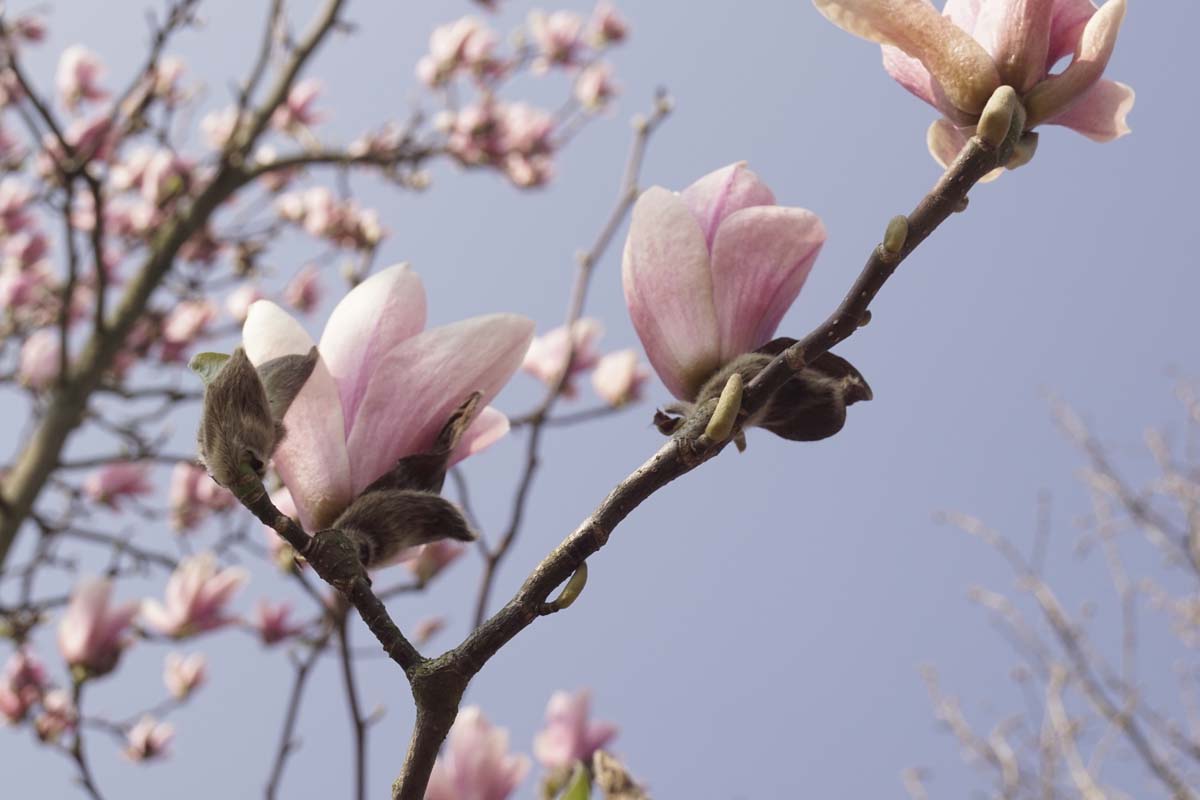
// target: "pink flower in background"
[[341, 221], [297, 111], [476, 764], [193, 494], [29, 27], [78, 76], [465, 45], [183, 674], [514, 137], [40, 359], [58, 716], [382, 388], [183, 325], [568, 736], [710, 272], [168, 74], [954, 60], [21, 686], [91, 635], [618, 377], [111, 482], [430, 559], [26, 248], [594, 87], [148, 739], [546, 358], [557, 36], [219, 126], [166, 177], [197, 593], [15, 198], [426, 629], [606, 26], [303, 293], [240, 299], [273, 624]]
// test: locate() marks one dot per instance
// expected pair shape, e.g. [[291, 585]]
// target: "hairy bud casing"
[[385, 522]]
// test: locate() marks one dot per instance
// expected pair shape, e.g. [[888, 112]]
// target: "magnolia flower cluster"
[[956, 59], [341, 222], [616, 377]]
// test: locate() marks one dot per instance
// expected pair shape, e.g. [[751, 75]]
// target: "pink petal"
[[962, 67], [1100, 112], [722, 192], [909, 73], [1066, 27], [945, 140], [374, 317], [312, 459], [1017, 34], [416, 386], [963, 13], [668, 288], [760, 260], [1056, 94], [488, 428]]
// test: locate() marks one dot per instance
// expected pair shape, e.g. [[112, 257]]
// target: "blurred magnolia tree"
[[129, 242]]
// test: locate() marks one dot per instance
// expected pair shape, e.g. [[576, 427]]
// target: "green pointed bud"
[[997, 116], [207, 365], [580, 787], [896, 235], [720, 425], [573, 589]]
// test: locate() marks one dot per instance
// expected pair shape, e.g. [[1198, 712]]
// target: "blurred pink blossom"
[[21, 685], [29, 27], [110, 483], [547, 356], [303, 293], [193, 494], [426, 629], [516, 138], [296, 112], [196, 596], [606, 25], [183, 674], [465, 45], [382, 387], [568, 736], [618, 377], [273, 623], [476, 764], [166, 177], [710, 272], [166, 79], [238, 303], [58, 716], [15, 197], [557, 36], [40, 359], [148, 739], [91, 635], [78, 76], [183, 325], [322, 215], [594, 87], [427, 561], [218, 126]]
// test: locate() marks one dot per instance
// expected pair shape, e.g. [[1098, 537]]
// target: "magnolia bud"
[[385, 522]]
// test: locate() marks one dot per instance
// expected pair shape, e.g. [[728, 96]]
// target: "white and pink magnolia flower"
[[197, 594], [547, 356], [618, 377], [594, 87], [91, 635], [148, 739], [21, 685], [954, 60], [184, 674], [297, 112], [273, 622], [568, 735], [476, 764], [78, 76], [110, 483], [465, 45], [193, 495], [39, 364], [382, 387], [710, 272], [342, 222], [427, 561], [606, 26], [303, 292], [557, 36]]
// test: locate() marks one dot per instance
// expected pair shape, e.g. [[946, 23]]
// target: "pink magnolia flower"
[[465, 45], [296, 112], [166, 79], [193, 494], [15, 198], [238, 303], [606, 26], [568, 736], [382, 387], [91, 635], [111, 482], [197, 593], [58, 716], [557, 36], [219, 126], [594, 87], [78, 76], [303, 293], [343, 222], [476, 764], [710, 272], [40, 359], [618, 377], [183, 325], [25, 248], [430, 559], [21, 686], [273, 624], [546, 358], [183, 674], [148, 739], [514, 137], [165, 178], [954, 60]]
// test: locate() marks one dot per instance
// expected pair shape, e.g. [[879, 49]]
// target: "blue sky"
[[757, 628]]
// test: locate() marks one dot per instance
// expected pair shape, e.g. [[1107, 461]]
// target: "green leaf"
[[207, 365], [580, 787]]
